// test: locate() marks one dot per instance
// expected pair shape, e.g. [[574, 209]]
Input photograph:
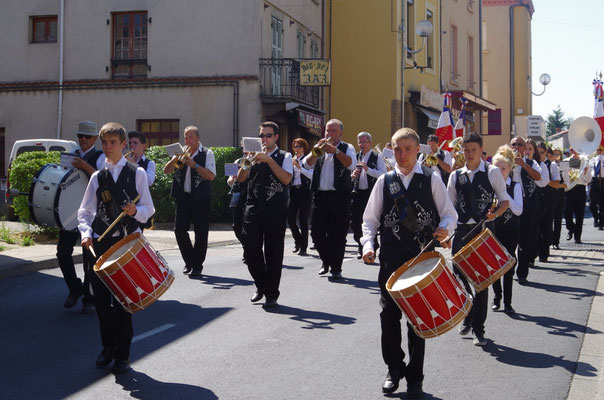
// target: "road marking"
[[152, 332]]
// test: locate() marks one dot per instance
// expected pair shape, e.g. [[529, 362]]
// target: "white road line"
[[152, 332]]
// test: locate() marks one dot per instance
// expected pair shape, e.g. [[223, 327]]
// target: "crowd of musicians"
[[396, 207]]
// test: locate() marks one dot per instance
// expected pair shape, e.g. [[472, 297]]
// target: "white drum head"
[[69, 196], [116, 255], [415, 274]]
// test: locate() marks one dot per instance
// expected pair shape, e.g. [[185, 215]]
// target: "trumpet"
[[387, 162], [455, 144], [431, 159], [460, 160], [318, 151], [180, 160], [129, 153], [246, 162]]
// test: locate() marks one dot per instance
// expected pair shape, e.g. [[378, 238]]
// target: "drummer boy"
[[472, 188], [110, 191], [409, 206]]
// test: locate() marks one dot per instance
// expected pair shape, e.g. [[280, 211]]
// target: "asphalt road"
[[205, 340]]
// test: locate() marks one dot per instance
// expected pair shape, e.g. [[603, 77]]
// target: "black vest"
[[341, 175], [200, 188], [265, 192], [508, 221], [473, 198], [92, 156], [548, 190], [371, 163], [531, 197], [144, 163], [445, 175], [409, 217], [122, 192], [238, 195]]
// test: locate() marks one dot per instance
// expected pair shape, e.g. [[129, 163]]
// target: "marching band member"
[[559, 199], [192, 189], [331, 188], [89, 160], [527, 172], [507, 227], [472, 189], [370, 166], [532, 153], [137, 143], [299, 197], [421, 191], [548, 194], [265, 214], [237, 205], [596, 189], [443, 157], [576, 196], [123, 181]]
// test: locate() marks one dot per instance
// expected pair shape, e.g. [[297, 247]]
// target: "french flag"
[[460, 128], [444, 131], [598, 106]]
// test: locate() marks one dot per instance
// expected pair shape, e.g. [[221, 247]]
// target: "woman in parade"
[[548, 194], [299, 198], [559, 200], [533, 154]]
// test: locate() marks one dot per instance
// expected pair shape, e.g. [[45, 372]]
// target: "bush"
[[160, 190]]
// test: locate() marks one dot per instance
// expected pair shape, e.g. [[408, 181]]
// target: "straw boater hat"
[[87, 128]]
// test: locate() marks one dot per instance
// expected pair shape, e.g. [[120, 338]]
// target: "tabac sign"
[[315, 72]]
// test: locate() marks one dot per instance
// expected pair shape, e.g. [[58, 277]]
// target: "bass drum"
[[55, 196]]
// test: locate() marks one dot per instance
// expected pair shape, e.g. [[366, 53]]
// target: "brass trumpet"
[[460, 160], [180, 160], [431, 159], [455, 144], [318, 151], [246, 163], [387, 163]]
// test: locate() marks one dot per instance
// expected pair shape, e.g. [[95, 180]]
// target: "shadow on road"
[[361, 284], [313, 319], [142, 386], [575, 293], [556, 326], [221, 282], [527, 359], [577, 272]]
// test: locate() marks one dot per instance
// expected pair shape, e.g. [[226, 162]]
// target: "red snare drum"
[[483, 260], [134, 272], [429, 295]]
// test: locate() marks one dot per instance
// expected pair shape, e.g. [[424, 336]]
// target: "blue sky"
[[568, 44]]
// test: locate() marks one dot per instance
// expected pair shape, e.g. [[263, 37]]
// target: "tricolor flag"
[[598, 106], [444, 131], [460, 128]]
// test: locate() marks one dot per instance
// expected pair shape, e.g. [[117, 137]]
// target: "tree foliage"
[[556, 119]]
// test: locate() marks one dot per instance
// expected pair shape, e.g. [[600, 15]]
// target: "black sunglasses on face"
[[297, 147], [517, 144], [80, 136], [267, 135]]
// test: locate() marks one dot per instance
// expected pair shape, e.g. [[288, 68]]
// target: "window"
[[314, 49], [44, 29], [159, 132], [471, 63], [276, 53], [410, 27], [430, 41], [454, 68], [129, 44], [301, 44]]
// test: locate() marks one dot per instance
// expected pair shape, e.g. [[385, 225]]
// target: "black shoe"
[[302, 252], [313, 247], [120, 367], [464, 329], [296, 249], [187, 270], [601, 228], [595, 223], [71, 300], [578, 241], [496, 304], [336, 276], [508, 310], [543, 259], [105, 357], [195, 273], [531, 265], [569, 236], [324, 269], [87, 307], [270, 304], [556, 246], [256, 297], [522, 281], [414, 390], [391, 382]]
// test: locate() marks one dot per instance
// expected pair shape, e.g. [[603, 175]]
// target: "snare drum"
[[134, 272], [483, 260], [55, 196], [429, 295]]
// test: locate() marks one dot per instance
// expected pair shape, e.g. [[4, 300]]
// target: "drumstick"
[[423, 251], [117, 219], [472, 230], [91, 249]]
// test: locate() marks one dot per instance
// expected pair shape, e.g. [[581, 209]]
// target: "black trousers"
[[557, 213], [596, 200], [527, 242], [330, 219], [390, 320], [115, 322], [237, 213], [198, 212], [478, 313], [299, 209], [509, 240], [575, 206], [545, 224], [65, 245], [268, 232], [359, 202]]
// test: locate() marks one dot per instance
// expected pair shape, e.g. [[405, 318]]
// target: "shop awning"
[[474, 102], [433, 116]]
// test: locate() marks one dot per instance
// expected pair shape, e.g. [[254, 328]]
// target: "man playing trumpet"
[[192, 190], [444, 162]]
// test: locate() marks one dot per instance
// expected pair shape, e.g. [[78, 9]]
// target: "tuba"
[[584, 135]]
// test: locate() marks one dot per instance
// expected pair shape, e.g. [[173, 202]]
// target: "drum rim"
[[403, 268], [102, 259], [480, 235]]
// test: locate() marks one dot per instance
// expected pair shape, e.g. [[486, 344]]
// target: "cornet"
[[318, 151], [180, 160], [387, 162], [431, 159], [455, 144], [460, 160], [246, 162]]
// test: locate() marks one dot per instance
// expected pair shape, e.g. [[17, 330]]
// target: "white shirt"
[[448, 160], [326, 178], [516, 201], [495, 178], [150, 169], [375, 205], [210, 164], [518, 170], [584, 178], [373, 172], [594, 162], [88, 206], [544, 176], [100, 162], [297, 180], [288, 163], [555, 172]]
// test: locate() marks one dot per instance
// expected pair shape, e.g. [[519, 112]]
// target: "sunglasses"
[[297, 147], [517, 144], [80, 136], [267, 135]]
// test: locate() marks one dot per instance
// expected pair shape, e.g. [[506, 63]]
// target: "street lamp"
[[545, 79]]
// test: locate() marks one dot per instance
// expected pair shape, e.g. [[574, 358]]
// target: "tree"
[[556, 119]]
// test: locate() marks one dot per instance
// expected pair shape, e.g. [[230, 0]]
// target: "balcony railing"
[[280, 82]]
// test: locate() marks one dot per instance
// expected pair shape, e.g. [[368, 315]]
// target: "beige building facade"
[[156, 67]]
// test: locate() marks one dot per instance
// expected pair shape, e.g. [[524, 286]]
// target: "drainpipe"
[[61, 63], [330, 44], [403, 56], [480, 59], [512, 60]]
